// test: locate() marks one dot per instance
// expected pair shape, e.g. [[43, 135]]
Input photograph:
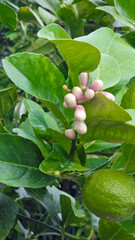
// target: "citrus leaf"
[[115, 14], [109, 43], [108, 71], [79, 56], [108, 130], [19, 168], [126, 9], [27, 14], [52, 5], [113, 231], [8, 16], [128, 100], [102, 107], [46, 16], [7, 98], [128, 157], [96, 146], [24, 73], [8, 213]]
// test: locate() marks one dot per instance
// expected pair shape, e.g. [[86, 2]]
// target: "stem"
[[73, 148], [72, 236], [41, 223]]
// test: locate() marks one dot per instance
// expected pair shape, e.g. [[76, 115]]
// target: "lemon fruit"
[[110, 194]]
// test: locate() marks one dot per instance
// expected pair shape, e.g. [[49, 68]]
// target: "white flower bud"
[[96, 85], [109, 95], [84, 77], [77, 93], [65, 105], [70, 100], [89, 94], [70, 134], [80, 127], [80, 114]]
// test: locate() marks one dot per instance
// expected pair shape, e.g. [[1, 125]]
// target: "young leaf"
[[70, 214], [114, 231], [8, 213], [79, 56], [8, 16], [36, 75], [19, 161], [126, 9], [7, 98], [108, 71]]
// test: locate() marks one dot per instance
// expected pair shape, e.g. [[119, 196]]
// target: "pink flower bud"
[[70, 100], [89, 94], [69, 133], [84, 77], [80, 114], [109, 95], [96, 85], [65, 105], [80, 127], [77, 93]]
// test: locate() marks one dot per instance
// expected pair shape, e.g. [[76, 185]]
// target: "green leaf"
[[67, 14], [126, 9], [128, 157], [7, 98], [129, 225], [19, 161], [85, 8], [102, 107], [113, 231], [46, 16], [94, 163], [88, 56], [99, 146], [2, 129], [58, 161], [27, 14], [52, 5], [108, 130], [70, 214], [8, 213], [109, 43], [128, 100], [115, 14], [108, 71], [8, 16], [41, 46], [23, 72]]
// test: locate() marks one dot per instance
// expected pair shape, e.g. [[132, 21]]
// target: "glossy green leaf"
[[85, 8], [112, 10], [19, 161], [102, 107], [35, 74], [8, 213], [46, 16], [7, 98], [68, 15], [52, 5], [27, 14], [126, 9], [58, 161], [94, 163], [129, 225], [128, 100], [96, 146], [128, 157], [8, 16], [109, 43], [79, 56], [108, 71], [114, 231], [110, 131], [70, 214]]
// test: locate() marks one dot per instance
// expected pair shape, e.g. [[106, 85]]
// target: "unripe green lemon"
[[110, 194]]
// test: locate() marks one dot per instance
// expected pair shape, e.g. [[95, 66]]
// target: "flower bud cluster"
[[77, 96]]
